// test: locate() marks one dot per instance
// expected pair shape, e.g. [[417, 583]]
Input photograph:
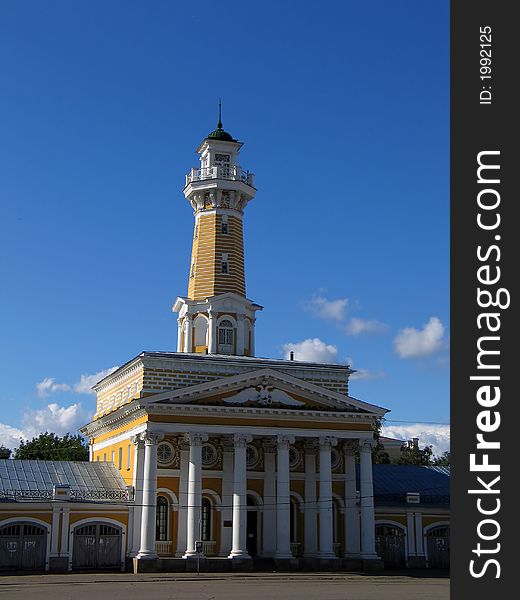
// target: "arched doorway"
[[226, 337], [252, 526], [22, 547], [390, 545], [438, 547], [97, 546]]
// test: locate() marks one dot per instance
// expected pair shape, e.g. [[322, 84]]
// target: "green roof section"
[[220, 134]]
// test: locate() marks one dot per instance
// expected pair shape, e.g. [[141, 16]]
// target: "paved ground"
[[264, 586]]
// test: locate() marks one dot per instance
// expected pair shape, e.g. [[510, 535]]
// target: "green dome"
[[220, 134]]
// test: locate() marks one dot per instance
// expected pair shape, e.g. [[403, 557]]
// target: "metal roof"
[[35, 479], [393, 482]]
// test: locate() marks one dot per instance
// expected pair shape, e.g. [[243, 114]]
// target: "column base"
[[193, 554], [326, 555], [239, 554], [145, 565], [146, 555], [283, 555], [352, 555]]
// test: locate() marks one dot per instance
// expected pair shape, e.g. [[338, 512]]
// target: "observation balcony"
[[231, 173]]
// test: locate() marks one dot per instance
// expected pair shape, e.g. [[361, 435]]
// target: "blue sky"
[[344, 111]]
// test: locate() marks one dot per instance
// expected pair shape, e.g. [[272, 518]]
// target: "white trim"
[[214, 497], [258, 499], [126, 435], [100, 519], [173, 501], [299, 499], [44, 524], [340, 501]]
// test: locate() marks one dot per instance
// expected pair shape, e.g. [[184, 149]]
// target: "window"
[[161, 519], [165, 454], [105, 457], [205, 522], [192, 272], [120, 459], [128, 456], [225, 263], [225, 334], [196, 231], [113, 458], [224, 225], [293, 521]]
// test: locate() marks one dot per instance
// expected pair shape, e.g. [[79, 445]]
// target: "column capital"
[[179, 321], [269, 446], [241, 440], [187, 317], [151, 438], [366, 445], [350, 447], [326, 442], [196, 438], [137, 441], [310, 446], [284, 441]]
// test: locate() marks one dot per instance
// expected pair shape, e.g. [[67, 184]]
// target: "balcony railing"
[[163, 548], [233, 173]]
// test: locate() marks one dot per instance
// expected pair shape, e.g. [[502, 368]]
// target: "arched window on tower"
[[161, 520], [205, 521], [225, 337], [200, 327]]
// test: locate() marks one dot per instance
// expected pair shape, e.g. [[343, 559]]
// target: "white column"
[[147, 547], [326, 548], [188, 333], [55, 530], [194, 492], [368, 533], [184, 450], [269, 512], [227, 496], [239, 549], [410, 533], [283, 498], [419, 545], [138, 482], [352, 540], [240, 335], [252, 349], [179, 335], [64, 546], [310, 533], [212, 333]]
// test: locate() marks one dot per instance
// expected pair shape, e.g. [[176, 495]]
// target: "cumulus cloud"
[[48, 386], [10, 436], [85, 383], [358, 326], [55, 418], [363, 374], [435, 435], [312, 350], [413, 343], [330, 310]]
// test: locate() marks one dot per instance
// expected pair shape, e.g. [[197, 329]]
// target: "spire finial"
[[219, 124]]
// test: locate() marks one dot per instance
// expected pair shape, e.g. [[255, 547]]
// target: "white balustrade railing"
[[234, 173], [163, 548], [296, 548], [209, 548]]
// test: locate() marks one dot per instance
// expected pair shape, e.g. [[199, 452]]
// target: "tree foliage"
[[411, 454], [49, 446], [444, 460], [5, 452], [379, 455]]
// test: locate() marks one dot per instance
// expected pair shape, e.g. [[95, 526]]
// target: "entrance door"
[[97, 546], [390, 545], [438, 544], [22, 547], [252, 522]]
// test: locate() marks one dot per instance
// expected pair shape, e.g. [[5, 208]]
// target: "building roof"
[[35, 480], [393, 482]]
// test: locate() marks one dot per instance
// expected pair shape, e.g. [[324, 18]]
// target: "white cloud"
[[10, 436], [357, 326], [436, 435], [412, 343], [363, 374], [330, 310], [85, 383], [48, 386], [54, 418], [312, 350]]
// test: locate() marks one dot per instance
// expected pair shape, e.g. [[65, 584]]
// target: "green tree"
[[49, 446], [411, 454], [5, 452], [379, 455], [444, 460]]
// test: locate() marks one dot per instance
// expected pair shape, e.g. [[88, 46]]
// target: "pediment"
[[268, 389]]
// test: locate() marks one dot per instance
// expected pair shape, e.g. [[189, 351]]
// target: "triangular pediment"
[[265, 388]]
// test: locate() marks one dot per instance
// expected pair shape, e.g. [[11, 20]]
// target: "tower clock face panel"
[[222, 158]]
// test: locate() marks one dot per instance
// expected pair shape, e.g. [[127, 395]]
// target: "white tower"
[[216, 317]]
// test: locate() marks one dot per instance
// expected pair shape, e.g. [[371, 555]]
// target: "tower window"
[[225, 263], [192, 272], [225, 337], [224, 225]]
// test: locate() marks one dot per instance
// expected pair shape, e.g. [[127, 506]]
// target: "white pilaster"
[[410, 533], [138, 482], [64, 545], [326, 547], [310, 533], [419, 545], [227, 497], [269, 515], [147, 547], [179, 335], [239, 549], [183, 497], [368, 534], [212, 333], [283, 498], [352, 538], [188, 333], [240, 335], [194, 492], [55, 530], [252, 348]]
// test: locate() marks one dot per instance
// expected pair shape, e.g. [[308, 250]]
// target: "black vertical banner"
[[485, 269]]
